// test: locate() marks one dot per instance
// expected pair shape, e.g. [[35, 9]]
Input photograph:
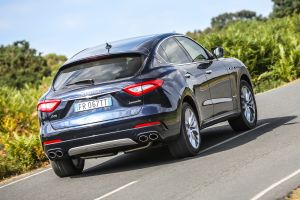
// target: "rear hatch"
[[93, 92]]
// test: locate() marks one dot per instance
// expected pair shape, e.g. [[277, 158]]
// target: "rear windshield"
[[98, 71]]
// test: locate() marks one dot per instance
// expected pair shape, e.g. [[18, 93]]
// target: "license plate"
[[89, 105]]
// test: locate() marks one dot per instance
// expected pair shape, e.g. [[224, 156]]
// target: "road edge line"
[[26, 177], [262, 193]]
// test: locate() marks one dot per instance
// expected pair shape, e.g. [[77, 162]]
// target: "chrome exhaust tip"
[[153, 136], [59, 153], [143, 138], [51, 154]]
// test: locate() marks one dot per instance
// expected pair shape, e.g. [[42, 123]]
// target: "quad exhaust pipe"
[[59, 153], [145, 138], [52, 154], [153, 136]]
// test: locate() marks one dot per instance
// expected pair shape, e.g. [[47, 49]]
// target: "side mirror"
[[218, 52]]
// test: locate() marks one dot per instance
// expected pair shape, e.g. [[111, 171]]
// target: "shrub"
[[270, 49], [20, 148]]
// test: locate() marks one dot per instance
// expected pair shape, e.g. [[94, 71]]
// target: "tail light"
[[48, 105], [139, 89]]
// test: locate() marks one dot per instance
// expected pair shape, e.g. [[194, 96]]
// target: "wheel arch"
[[246, 78], [188, 99], [244, 75]]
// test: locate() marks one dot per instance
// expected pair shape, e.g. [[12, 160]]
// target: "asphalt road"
[[262, 163]]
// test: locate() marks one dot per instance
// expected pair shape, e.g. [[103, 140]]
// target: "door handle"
[[208, 71], [187, 75]]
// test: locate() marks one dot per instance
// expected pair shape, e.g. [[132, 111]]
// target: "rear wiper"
[[85, 81]]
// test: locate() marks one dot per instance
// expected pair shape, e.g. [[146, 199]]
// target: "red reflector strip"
[[52, 142], [146, 124]]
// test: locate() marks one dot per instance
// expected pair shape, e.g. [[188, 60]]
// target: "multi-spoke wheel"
[[188, 143], [248, 104], [192, 128], [248, 117]]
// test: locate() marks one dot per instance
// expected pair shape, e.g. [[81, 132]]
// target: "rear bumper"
[[104, 144], [110, 137]]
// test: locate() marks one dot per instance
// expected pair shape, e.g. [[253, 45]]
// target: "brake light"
[[52, 141], [146, 124], [48, 105], [139, 89]]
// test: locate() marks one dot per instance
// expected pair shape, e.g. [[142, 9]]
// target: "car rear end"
[[96, 108]]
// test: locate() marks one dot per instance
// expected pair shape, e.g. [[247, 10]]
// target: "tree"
[[54, 61], [20, 65], [282, 8], [222, 20]]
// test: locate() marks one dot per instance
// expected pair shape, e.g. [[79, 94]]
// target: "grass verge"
[[294, 195]]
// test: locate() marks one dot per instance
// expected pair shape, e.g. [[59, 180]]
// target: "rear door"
[[216, 74], [199, 63], [173, 52], [93, 92]]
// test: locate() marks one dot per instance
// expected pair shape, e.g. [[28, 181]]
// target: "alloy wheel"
[[248, 104], [192, 128]]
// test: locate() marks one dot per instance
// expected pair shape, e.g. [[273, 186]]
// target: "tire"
[[189, 141], [248, 116], [67, 167]]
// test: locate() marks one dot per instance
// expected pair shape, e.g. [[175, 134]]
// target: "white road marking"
[[230, 139], [116, 190], [262, 193], [22, 179]]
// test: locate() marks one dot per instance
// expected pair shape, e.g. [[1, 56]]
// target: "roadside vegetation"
[[294, 195], [270, 47], [25, 76]]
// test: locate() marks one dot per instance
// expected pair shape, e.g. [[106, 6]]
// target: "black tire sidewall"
[[66, 167]]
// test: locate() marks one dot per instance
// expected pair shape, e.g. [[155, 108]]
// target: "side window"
[[196, 51], [173, 52], [162, 54]]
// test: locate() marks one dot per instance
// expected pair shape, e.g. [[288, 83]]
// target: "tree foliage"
[[20, 65], [282, 8], [220, 21], [54, 61]]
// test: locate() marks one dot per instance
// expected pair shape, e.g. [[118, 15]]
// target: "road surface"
[[261, 164]]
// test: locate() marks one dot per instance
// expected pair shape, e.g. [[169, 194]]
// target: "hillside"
[[270, 48]]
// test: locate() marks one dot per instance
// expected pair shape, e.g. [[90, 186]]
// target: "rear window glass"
[[99, 71]]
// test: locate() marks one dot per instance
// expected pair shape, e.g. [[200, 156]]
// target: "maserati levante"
[[141, 92]]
